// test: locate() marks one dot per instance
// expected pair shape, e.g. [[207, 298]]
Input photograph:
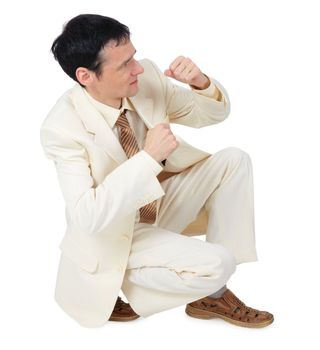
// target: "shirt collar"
[[109, 113]]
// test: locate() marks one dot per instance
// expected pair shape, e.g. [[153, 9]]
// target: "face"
[[119, 74]]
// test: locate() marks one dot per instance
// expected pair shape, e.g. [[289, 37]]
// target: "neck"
[[112, 102]]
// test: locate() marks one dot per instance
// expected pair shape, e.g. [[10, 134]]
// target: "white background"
[[265, 53]]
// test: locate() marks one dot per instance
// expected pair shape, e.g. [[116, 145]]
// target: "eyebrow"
[[126, 61]]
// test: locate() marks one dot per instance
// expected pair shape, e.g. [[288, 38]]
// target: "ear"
[[84, 76]]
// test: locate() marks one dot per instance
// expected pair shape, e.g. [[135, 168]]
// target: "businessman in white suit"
[[135, 192]]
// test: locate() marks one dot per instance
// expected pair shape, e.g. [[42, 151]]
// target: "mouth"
[[133, 82]]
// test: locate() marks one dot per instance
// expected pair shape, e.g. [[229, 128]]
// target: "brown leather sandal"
[[229, 308], [123, 312]]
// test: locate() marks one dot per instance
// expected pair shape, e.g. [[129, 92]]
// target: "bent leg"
[[223, 184], [166, 269]]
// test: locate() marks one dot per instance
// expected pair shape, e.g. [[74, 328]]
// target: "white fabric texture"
[[161, 259]]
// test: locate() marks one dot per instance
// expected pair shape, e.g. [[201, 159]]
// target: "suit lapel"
[[144, 107], [97, 126]]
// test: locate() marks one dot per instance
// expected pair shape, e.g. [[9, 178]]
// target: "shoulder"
[[150, 68], [152, 80], [63, 114]]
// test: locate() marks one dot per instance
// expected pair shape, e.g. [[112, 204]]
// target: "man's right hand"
[[160, 142]]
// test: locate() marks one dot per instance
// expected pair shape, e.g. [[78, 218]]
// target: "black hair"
[[83, 38]]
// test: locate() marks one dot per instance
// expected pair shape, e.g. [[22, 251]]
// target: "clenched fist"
[[184, 70], [160, 142]]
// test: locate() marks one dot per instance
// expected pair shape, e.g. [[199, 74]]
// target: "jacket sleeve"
[[193, 107], [128, 187]]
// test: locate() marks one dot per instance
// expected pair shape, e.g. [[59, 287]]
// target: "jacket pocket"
[[78, 255]]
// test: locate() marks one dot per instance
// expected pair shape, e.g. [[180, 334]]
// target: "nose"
[[138, 69]]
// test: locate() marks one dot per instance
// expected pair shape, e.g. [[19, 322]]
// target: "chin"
[[133, 93]]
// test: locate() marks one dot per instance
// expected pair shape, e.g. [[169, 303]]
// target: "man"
[[134, 190]]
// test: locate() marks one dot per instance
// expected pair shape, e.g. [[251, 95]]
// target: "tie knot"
[[122, 120]]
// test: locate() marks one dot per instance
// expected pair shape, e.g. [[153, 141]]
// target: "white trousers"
[[167, 269]]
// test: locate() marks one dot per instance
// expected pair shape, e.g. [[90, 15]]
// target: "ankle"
[[218, 293]]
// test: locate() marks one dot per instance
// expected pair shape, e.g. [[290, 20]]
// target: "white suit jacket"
[[103, 189]]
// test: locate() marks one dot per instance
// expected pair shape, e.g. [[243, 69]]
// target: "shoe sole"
[[123, 319], [206, 315]]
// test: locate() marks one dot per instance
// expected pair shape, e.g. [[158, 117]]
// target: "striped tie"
[[129, 143]]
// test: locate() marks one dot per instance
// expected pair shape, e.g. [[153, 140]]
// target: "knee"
[[235, 154]]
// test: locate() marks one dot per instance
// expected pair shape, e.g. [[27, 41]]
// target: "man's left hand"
[[184, 70]]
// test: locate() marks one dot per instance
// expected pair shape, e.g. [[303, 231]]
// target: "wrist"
[[151, 155], [204, 83]]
